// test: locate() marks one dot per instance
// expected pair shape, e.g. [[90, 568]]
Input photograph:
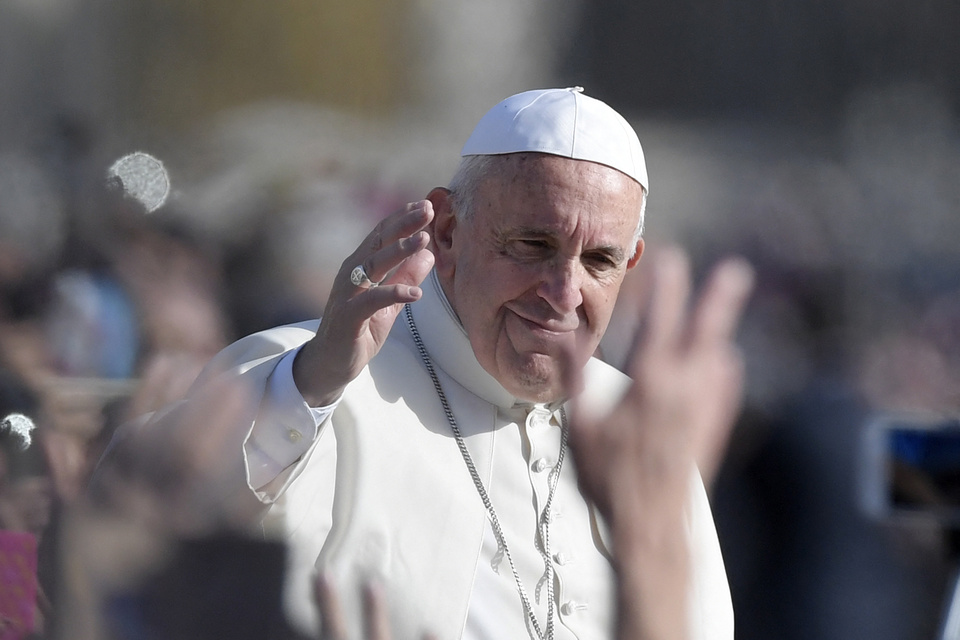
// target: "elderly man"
[[418, 433]]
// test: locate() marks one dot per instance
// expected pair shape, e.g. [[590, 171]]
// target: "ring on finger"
[[360, 278]]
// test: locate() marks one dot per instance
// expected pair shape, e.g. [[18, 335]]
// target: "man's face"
[[538, 266]]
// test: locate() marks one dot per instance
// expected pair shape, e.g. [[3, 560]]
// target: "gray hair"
[[475, 170]]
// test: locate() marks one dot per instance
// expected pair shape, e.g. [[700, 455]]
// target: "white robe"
[[381, 490]]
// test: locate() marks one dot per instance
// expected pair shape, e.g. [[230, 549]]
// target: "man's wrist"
[[652, 588], [308, 380]]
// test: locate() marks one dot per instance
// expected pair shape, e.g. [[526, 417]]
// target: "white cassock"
[[377, 487]]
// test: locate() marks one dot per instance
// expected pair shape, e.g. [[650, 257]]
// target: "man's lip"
[[548, 326]]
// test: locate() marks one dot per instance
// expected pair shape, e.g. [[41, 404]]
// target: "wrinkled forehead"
[[540, 191], [539, 173]]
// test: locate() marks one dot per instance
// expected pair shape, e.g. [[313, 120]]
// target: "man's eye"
[[534, 244], [599, 262]]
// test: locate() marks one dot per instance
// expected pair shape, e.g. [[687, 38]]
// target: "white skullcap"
[[561, 122]]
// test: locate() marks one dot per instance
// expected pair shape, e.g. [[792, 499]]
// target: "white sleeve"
[[285, 428]]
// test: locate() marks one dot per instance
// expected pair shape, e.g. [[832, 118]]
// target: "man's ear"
[[632, 262], [442, 227]]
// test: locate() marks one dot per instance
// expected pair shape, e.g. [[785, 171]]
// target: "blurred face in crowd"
[[25, 502], [32, 498], [537, 263]]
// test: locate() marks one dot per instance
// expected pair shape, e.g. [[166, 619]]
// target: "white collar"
[[449, 347]]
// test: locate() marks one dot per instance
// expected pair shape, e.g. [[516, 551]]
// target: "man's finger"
[[333, 624], [376, 620], [408, 221], [394, 240], [379, 265], [710, 442], [414, 269], [382, 297], [722, 302], [668, 302]]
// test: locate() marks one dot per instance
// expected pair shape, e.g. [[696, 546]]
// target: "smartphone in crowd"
[[911, 467]]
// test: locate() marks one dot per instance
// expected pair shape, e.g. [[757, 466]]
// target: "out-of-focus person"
[[26, 494]]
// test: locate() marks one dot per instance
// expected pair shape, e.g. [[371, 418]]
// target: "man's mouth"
[[547, 328]]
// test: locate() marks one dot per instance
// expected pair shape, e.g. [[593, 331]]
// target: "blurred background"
[[819, 139]]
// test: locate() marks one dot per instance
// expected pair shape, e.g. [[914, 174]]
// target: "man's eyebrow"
[[529, 231], [512, 233], [613, 252]]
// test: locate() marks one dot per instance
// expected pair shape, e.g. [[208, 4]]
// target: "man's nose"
[[561, 286]]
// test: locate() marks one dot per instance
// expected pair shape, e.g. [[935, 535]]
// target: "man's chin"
[[538, 379]]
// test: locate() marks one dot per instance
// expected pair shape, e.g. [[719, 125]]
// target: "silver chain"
[[543, 521]]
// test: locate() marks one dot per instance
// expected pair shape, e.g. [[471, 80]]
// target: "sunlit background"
[[818, 139]]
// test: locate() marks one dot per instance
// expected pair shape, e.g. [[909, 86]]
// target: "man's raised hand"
[[358, 318]]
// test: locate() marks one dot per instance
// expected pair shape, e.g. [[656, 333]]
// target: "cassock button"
[[294, 435], [561, 558], [570, 607], [541, 465]]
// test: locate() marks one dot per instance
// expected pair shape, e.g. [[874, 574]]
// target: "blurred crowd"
[[108, 312]]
